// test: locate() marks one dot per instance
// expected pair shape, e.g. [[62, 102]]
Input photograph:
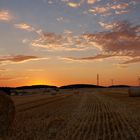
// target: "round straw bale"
[[7, 113], [134, 91]]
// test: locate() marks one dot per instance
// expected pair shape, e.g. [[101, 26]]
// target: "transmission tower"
[[98, 79], [138, 81], [112, 82]]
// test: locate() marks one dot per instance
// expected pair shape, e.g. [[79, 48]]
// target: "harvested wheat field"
[[84, 114]]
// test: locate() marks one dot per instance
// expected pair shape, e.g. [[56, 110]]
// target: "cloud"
[[66, 41], [100, 10], [119, 6], [96, 57], [73, 5], [18, 58], [122, 41], [24, 41], [78, 4], [121, 12], [105, 8], [24, 26], [3, 69], [112, 8], [11, 78], [5, 15], [91, 1], [122, 38], [107, 25], [99, 58], [133, 60], [7, 78], [35, 70], [62, 19]]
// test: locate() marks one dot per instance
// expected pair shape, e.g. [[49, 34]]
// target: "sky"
[[60, 42]]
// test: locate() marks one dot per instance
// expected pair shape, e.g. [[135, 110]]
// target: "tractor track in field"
[[38, 103], [97, 119], [37, 100]]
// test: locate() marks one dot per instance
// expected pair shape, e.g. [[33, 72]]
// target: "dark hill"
[[119, 86], [36, 87], [80, 86]]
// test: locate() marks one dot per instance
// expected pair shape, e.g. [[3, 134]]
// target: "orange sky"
[[68, 73]]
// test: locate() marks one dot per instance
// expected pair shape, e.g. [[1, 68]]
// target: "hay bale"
[[134, 91], [7, 113], [53, 93], [76, 92]]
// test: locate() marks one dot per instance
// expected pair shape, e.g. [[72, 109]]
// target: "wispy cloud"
[[18, 58], [133, 60], [5, 15], [99, 56], [11, 77], [7, 78], [3, 69], [24, 26]]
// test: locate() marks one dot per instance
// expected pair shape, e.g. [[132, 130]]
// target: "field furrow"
[[83, 116]]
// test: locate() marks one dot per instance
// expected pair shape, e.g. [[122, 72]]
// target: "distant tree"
[[6, 90]]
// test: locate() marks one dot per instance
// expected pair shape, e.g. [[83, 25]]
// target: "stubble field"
[[84, 114]]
